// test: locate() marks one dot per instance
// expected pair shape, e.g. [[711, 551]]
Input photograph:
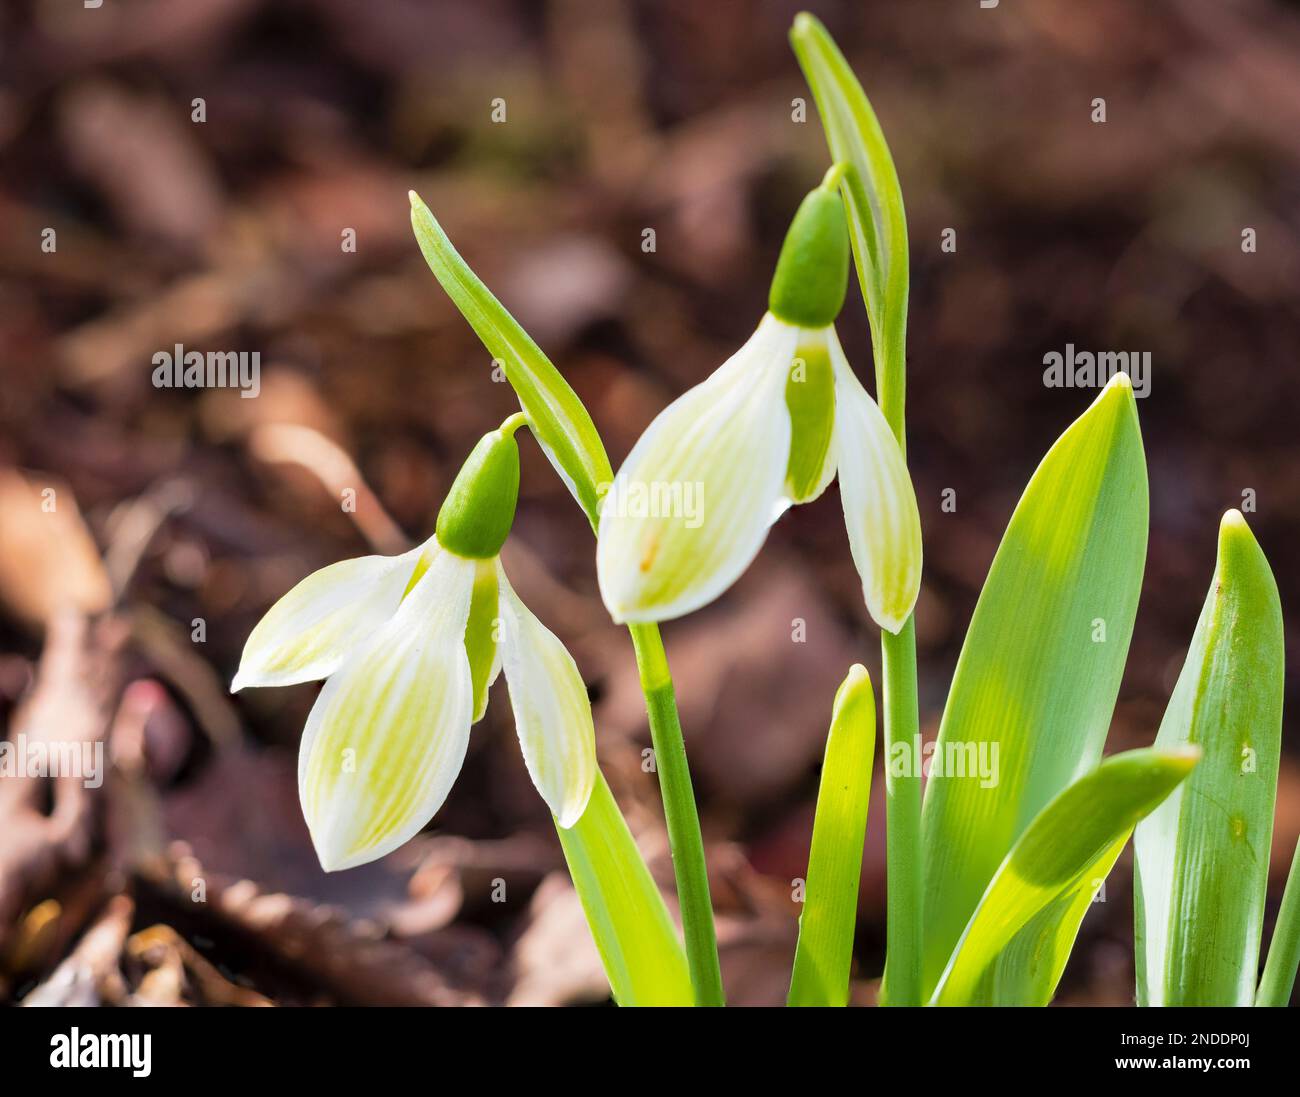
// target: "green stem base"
[[684, 838], [904, 870]]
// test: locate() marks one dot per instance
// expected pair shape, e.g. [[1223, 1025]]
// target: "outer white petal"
[[552, 711], [388, 733], [692, 504], [309, 632], [879, 502]]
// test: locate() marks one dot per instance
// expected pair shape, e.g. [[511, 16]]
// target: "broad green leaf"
[[1037, 678], [1042, 890], [638, 943], [825, 949], [1284, 950], [1201, 861], [874, 200], [556, 415]]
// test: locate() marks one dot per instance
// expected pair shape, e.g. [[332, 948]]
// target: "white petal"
[[388, 733], [309, 632], [552, 711], [692, 504], [879, 502]]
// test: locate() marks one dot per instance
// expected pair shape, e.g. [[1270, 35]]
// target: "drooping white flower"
[[691, 506], [411, 645]]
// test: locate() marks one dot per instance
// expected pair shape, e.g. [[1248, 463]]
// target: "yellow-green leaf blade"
[[634, 933], [1041, 665], [873, 199], [1201, 861], [557, 417], [1053, 869], [825, 949]]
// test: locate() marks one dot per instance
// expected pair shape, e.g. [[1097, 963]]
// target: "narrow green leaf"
[[634, 933], [1042, 890], [1284, 950], [1201, 861], [825, 949], [556, 415], [874, 200], [1037, 678]]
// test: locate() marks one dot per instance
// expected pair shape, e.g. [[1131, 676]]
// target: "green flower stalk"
[[692, 504], [878, 234], [409, 646]]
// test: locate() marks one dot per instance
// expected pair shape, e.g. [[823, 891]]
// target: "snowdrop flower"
[[692, 504], [409, 646]]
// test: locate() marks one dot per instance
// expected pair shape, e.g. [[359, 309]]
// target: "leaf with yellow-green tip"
[[825, 949], [634, 934], [555, 414], [1015, 946], [874, 200], [1036, 681], [1201, 860]]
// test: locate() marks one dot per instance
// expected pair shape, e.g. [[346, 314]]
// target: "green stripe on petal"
[[810, 398], [481, 637], [692, 504], [388, 733], [309, 632], [551, 706], [880, 511]]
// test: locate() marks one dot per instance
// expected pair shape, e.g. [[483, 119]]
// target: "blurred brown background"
[[621, 115]]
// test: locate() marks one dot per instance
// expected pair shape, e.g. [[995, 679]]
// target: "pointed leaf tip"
[[1241, 561], [1237, 545], [1121, 380], [1233, 519], [1116, 393], [558, 419], [1184, 758], [823, 956]]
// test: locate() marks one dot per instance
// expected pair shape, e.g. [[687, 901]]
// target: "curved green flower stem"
[[683, 821], [1284, 950]]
